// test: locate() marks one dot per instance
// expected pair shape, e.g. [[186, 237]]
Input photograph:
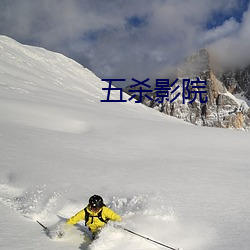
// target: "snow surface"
[[182, 185]]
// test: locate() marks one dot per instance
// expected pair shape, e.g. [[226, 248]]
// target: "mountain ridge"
[[223, 108]]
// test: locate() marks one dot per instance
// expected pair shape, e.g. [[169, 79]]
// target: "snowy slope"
[[176, 183]]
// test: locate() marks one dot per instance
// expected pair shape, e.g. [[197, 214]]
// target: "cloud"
[[232, 50], [122, 39], [228, 28]]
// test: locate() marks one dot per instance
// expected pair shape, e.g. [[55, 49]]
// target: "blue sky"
[[131, 38], [218, 17]]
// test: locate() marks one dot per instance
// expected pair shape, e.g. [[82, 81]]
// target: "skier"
[[95, 214]]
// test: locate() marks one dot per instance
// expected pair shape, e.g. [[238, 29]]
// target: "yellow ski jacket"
[[94, 223]]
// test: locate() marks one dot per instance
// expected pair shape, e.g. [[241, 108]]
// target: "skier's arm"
[[77, 217], [110, 214]]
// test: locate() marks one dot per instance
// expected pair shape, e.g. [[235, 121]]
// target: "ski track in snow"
[[43, 117]]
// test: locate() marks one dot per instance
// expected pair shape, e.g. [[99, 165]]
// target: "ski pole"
[[146, 238], [45, 228]]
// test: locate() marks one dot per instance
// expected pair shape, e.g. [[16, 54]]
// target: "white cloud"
[[228, 28], [233, 49]]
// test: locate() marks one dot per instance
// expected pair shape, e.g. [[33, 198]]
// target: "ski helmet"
[[95, 202]]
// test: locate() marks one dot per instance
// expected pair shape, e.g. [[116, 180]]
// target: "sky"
[[131, 38]]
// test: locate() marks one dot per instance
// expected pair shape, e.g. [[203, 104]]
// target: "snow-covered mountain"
[[237, 81], [182, 185], [222, 109], [227, 94]]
